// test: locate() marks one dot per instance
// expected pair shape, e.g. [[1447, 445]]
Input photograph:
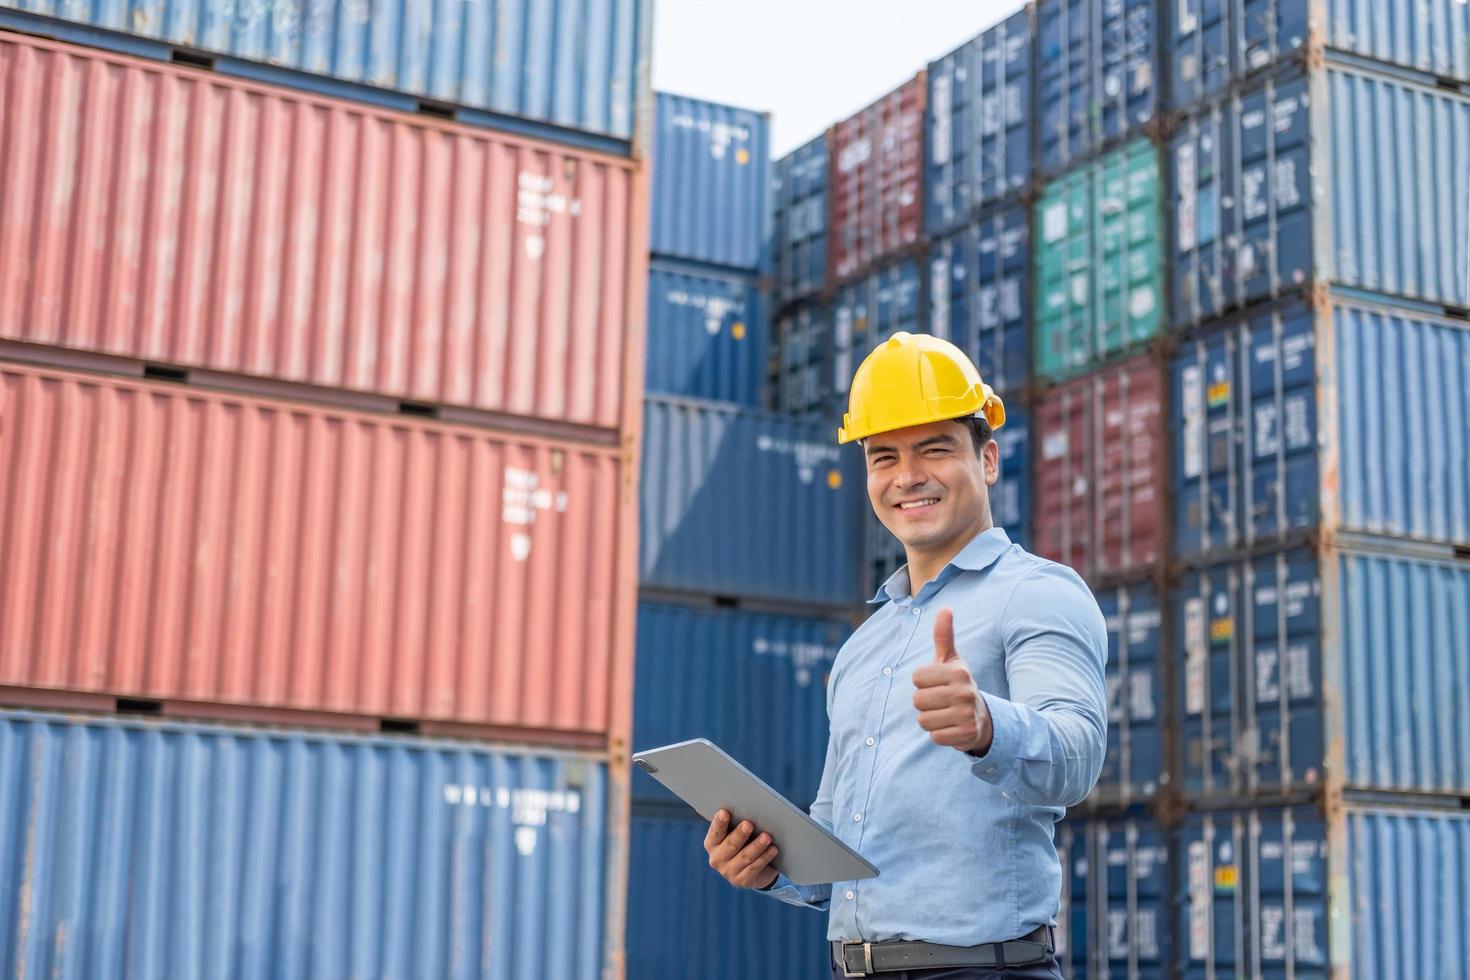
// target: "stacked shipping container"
[[750, 545], [318, 412]]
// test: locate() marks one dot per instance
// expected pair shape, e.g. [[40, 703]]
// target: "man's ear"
[[990, 460]]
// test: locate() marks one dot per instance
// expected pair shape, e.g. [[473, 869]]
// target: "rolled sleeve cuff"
[[785, 890], [1006, 729]]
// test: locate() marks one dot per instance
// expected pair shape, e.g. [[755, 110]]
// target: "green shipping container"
[[1099, 261]]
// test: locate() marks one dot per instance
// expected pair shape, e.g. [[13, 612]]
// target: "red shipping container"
[[876, 201], [1100, 501], [178, 216], [165, 542]]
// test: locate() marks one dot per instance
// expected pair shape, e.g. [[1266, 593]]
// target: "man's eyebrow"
[[878, 449], [942, 439]]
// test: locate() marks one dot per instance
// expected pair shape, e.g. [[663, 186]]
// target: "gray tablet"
[[702, 775]]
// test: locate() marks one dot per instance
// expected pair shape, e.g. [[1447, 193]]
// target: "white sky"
[[808, 62]]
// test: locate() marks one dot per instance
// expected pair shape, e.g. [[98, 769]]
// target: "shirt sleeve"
[[1048, 739], [783, 888]]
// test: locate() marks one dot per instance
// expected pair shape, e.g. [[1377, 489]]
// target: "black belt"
[[859, 959]]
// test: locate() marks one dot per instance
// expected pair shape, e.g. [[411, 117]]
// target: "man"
[[966, 714]]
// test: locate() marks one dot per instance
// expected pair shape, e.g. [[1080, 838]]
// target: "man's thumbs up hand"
[[950, 707]]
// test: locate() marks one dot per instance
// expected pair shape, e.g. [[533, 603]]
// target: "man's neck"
[[924, 567]]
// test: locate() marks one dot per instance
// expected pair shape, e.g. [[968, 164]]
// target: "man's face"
[[927, 485]]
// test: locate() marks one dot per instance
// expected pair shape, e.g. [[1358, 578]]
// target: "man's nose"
[[910, 475]]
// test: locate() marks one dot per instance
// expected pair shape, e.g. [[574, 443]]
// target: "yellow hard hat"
[[912, 379]]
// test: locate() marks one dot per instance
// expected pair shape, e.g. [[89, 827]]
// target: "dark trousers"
[[1036, 971]]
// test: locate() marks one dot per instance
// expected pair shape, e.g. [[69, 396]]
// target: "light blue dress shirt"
[[963, 845]]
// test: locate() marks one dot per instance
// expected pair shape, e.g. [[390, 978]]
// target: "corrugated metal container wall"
[[978, 123], [803, 360], [576, 66], [684, 920], [1010, 502], [1212, 44], [707, 334], [742, 504], [755, 684], [1116, 907], [183, 217], [179, 544], [1136, 764], [1267, 204], [876, 204], [1258, 457], [978, 295], [801, 220], [145, 849], [1101, 505], [1288, 660], [1096, 70], [1099, 261], [711, 182], [869, 311], [1282, 893]]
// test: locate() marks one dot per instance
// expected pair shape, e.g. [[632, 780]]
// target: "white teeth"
[[918, 503]]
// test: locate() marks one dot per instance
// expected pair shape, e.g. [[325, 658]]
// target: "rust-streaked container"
[[876, 200], [183, 217], [1100, 446], [171, 543]]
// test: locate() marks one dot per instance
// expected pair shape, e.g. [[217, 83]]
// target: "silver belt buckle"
[[867, 959]]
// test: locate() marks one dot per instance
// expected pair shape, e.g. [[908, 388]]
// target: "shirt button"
[[918, 611], [887, 671], [850, 896], [871, 740], [857, 818]]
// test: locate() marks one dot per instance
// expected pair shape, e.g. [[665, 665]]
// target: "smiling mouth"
[[918, 504]]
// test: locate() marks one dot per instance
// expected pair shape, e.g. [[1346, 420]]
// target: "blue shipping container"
[[1097, 70], [685, 921], [801, 220], [707, 334], [1010, 502], [1277, 892], [1213, 43], [978, 297], [1338, 176], [131, 848], [520, 65], [1117, 903], [1277, 433], [711, 182], [738, 503], [867, 312], [754, 684], [1134, 768], [978, 123], [803, 386], [1298, 669]]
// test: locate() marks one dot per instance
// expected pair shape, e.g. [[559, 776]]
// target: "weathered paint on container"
[[1214, 44], [1117, 902], [1099, 261], [1340, 176], [1100, 504], [173, 543], [801, 220], [131, 848], [1285, 892], [711, 182], [1010, 502], [978, 123], [183, 217], [876, 203], [978, 295], [868, 311], [1344, 670], [803, 362], [1136, 766], [1097, 76], [707, 334], [683, 919], [1273, 438], [753, 683], [580, 66], [743, 504]]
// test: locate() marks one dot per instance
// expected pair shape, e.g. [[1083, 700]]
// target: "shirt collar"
[[982, 552]]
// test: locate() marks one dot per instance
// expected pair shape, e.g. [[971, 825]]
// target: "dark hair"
[[980, 431]]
